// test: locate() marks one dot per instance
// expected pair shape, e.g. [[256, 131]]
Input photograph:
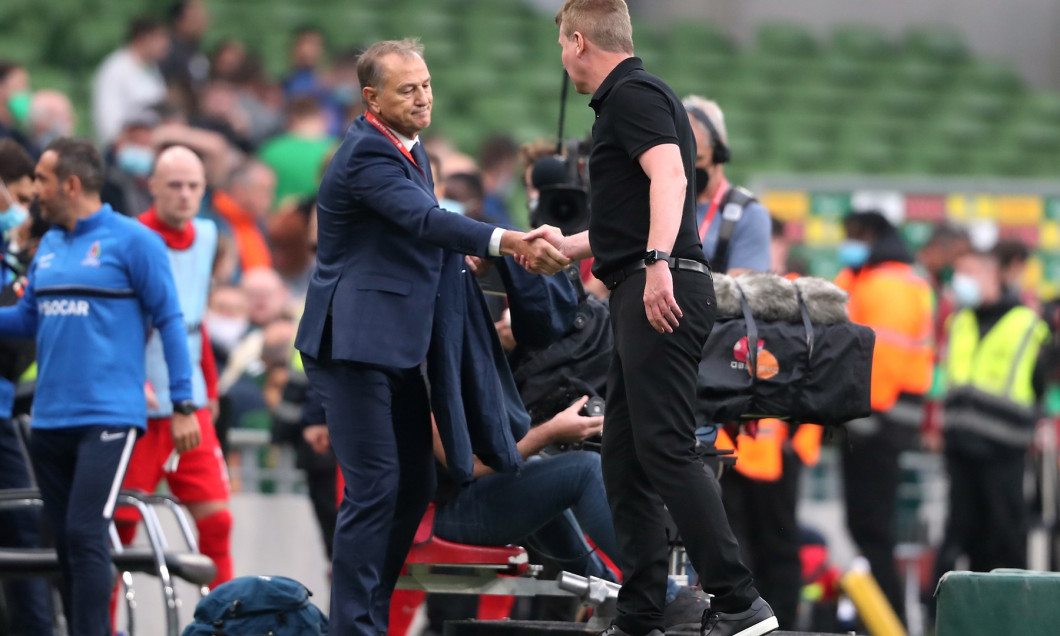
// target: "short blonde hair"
[[604, 22], [369, 68], [713, 112]]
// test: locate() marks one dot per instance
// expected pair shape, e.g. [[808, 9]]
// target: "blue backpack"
[[258, 606]]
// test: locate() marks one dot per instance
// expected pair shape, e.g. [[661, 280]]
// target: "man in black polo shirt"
[[642, 232]]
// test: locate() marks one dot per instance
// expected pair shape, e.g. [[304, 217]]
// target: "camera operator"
[[733, 226]]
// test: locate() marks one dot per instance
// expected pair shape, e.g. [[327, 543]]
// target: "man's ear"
[[579, 42], [71, 186], [370, 95]]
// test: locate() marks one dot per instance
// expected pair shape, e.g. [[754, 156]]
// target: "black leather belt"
[[614, 278]]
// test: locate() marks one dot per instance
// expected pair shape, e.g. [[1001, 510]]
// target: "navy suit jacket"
[[381, 240]]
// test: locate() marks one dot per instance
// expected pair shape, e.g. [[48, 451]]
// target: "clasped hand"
[[538, 255]]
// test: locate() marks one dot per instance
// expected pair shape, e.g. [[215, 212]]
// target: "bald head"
[[177, 186], [51, 116]]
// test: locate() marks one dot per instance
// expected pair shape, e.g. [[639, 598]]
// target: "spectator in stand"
[[498, 157], [297, 155], [220, 111], [14, 103], [129, 80], [261, 99], [241, 209], [51, 115], [226, 321], [185, 67], [16, 193], [130, 160], [288, 232], [200, 479], [227, 59], [307, 52], [466, 189], [343, 101]]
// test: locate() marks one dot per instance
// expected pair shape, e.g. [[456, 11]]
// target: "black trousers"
[[762, 515], [870, 486], [649, 457], [987, 520]]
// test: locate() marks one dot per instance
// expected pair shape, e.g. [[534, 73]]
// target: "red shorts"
[[201, 474]]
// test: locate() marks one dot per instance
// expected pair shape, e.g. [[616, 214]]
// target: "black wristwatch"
[[655, 255], [185, 407]]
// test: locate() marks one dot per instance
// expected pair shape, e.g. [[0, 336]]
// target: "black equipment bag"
[[550, 379], [797, 372]]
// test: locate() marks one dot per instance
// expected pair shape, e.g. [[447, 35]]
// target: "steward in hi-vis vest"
[[996, 369]]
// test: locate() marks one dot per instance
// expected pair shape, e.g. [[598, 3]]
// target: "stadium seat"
[[788, 39], [937, 43], [862, 42]]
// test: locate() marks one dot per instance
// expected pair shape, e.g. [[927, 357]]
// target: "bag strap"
[[752, 337], [732, 206], [806, 323]]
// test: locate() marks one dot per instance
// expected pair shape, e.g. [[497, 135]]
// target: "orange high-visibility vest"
[[897, 303], [760, 457]]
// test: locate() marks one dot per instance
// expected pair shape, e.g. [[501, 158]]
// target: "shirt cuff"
[[495, 242]]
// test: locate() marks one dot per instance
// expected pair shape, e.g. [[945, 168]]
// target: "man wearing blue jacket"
[[390, 293], [97, 285]]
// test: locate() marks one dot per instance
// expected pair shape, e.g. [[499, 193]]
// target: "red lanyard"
[[723, 187], [389, 134]]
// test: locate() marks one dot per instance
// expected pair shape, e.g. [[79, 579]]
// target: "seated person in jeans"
[[550, 505]]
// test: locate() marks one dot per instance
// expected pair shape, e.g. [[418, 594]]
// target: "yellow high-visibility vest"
[[1001, 365]]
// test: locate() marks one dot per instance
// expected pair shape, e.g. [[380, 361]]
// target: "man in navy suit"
[[368, 322]]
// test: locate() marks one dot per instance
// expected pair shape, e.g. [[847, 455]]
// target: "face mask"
[[702, 179], [966, 291], [346, 94], [455, 207], [136, 160], [853, 254], [18, 104], [53, 133], [15, 213], [225, 331]]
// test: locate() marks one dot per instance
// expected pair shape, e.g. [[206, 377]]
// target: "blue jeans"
[[550, 505]]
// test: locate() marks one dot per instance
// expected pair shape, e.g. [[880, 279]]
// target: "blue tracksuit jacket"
[[93, 295]]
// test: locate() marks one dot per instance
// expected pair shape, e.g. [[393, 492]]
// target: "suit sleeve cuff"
[[495, 242]]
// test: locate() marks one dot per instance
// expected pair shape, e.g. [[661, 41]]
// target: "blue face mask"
[[346, 94], [12, 217], [966, 291], [15, 213], [136, 160], [853, 253]]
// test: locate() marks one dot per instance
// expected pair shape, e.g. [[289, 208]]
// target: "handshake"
[[542, 251]]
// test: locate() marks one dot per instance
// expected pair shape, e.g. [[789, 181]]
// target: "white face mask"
[[225, 331]]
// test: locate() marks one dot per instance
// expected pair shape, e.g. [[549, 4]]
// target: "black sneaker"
[[754, 621], [614, 630], [685, 612]]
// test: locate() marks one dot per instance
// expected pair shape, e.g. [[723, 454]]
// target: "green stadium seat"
[[690, 38], [848, 72], [927, 75], [941, 44], [989, 75], [788, 39], [1044, 106], [983, 105], [862, 42]]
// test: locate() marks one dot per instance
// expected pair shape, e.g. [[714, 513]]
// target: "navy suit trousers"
[[379, 421]]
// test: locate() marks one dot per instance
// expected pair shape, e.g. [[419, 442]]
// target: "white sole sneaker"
[[758, 629]]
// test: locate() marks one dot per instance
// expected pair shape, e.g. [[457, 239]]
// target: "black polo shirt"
[[635, 111]]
